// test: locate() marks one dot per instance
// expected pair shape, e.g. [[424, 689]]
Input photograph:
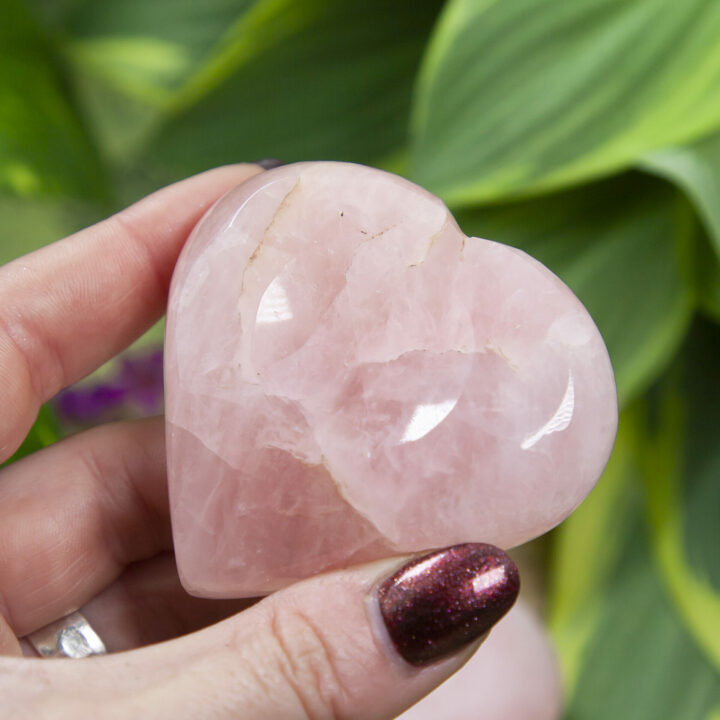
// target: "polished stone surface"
[[348, 377]]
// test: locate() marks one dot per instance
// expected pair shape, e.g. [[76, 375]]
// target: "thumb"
[[363, 643]]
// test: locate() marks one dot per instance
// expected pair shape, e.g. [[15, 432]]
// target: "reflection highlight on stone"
[[560, 419], [313, 364], [426, 418], [274, 305]]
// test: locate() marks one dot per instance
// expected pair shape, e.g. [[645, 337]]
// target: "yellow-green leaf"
[[709, 281], [338, 86], [143, 47], [525, 96], [30, 223], [640, 662], [44, 149], [595, 530], [635, 607], [681, 465], [696, 169], [132, 59]]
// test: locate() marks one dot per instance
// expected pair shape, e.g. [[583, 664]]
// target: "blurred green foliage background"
[[585, 132]]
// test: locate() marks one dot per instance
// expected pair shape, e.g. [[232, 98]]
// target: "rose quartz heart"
[[349, 377]]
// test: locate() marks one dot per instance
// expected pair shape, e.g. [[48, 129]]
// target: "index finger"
[[66, 309]]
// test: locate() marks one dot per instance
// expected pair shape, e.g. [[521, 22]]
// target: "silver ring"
[[69, 637]]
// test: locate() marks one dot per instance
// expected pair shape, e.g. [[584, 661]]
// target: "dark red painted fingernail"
[[269, 163], [443, 601]]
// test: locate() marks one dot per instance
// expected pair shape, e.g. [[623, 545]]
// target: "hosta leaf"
[[709, 281], [595, 530], [149, 48], [625, 246], [524, 96], [635, 607], [696, 169], [53, 13], [640, 661], [44, 148], [681, 456], [337, 87], [30, 223], [131, 58]]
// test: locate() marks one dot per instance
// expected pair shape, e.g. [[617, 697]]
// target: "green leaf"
[[595, 530], [521, 97], [337, 86], [696, 169], [708, 281], [44, 148], [30, 223], [148, 48], [681, 462], [640, 662], [53, 13], [635, 603], [625, 246], [132, 59]]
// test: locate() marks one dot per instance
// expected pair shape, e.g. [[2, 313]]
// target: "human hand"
[[85, 524]]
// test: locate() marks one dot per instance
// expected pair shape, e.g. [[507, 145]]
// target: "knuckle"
[[16, 353], [34, 355], [306, 662], [100, 502]]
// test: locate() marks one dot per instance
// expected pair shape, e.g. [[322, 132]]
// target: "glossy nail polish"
[[269, 163], [443, 601]]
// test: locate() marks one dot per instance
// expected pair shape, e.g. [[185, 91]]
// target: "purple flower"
[[88, 405], [141, 377], [134, 390]]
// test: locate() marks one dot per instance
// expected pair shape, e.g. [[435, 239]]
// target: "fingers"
[[75, 514], [9, 644], [147, 604], [66, 309], [516, 675], [324, 648]]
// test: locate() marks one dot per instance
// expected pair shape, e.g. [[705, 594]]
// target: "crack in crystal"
[[433, 239], [284, 205], [379, 536]]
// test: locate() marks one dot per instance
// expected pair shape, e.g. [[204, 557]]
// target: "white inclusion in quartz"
[[488, 579], [427, 418], [560, 419], [274, 305]]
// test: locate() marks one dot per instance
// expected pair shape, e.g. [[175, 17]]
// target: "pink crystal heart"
[[349, 377]]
